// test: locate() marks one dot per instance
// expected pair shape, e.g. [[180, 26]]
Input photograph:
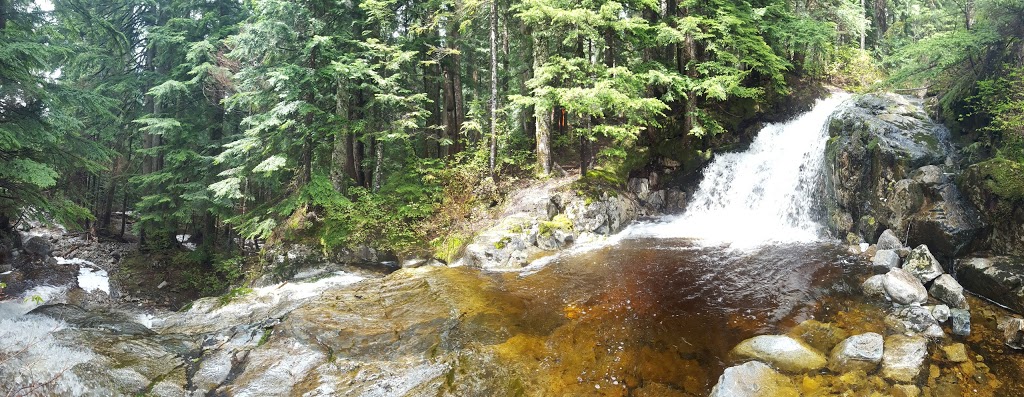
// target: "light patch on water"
[[406, 381]]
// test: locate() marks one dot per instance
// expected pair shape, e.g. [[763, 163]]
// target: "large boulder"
[[859, 352], [903, 288], [1000, 279], [996, 188], [903, 358], [783, 352], [886, 160], [753, 379]]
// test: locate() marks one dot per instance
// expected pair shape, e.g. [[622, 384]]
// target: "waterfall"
[[763, 195]]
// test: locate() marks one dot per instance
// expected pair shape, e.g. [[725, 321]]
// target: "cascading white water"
[[763, 195]]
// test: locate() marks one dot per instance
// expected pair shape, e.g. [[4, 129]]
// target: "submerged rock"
[[946, 289], [902, 287], [922, 264], [961, 321], [781, 351], [1000, 279], [858, 352], [956, 353], [821, 336], [903, 358], [753, 379]]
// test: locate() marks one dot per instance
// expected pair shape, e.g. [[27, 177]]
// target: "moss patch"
[[1004, 177], [559, 222]]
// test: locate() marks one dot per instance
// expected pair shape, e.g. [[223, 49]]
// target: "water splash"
[[764, 195]]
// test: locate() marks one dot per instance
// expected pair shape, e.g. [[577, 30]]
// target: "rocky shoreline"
[[919, 350]]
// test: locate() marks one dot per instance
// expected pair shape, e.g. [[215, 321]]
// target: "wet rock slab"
[[1000, 279], [783, 352]]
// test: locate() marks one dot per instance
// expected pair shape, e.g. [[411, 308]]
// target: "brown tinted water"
[[657, 314]]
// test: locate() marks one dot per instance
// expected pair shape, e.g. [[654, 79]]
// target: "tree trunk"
[[378, 167], [543, 116], [460, 103], [432, 133], [864, 29], [494, 86], [340, 155], [691, 96]]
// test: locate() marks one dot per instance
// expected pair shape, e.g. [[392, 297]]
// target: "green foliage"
[[233, 294], [854, 69]]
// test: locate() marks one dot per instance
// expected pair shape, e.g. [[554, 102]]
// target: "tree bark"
[[340, 155], [542, 115], [494, 86]]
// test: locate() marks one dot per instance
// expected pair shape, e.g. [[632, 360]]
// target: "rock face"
[[903, 357], [753, 379], [902, 287], [885, 160], [783, 352], [1000, 279], [858, 352], [988, 186], [922, 264], [947, 290], [551, 217]]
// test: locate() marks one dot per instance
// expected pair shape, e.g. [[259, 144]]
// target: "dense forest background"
[[386, 122]]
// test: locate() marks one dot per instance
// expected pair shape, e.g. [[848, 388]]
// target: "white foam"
[[764, 195]]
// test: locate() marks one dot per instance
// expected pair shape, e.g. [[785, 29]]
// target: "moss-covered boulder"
[[996, 188], [887, 169]]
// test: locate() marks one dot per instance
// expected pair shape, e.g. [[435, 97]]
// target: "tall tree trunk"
[[460, 103], [432, 131], [881, 22], [378, 166], [864, 29], [494, 86], [3, 20], [368, 171], [691, 96], [542, 115], [340, 156]]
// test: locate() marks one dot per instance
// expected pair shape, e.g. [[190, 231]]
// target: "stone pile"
[[818, 358]]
